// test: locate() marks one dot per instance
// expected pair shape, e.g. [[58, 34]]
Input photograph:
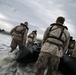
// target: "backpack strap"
[[25, 26], [59, 25], [61, 33], [50, 28], [31, 37]]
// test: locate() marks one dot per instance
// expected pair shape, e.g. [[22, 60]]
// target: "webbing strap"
[[55, 43], [50, 29], [61, 33], [22, 30], [25, 26], [31, 37], [56, 38]]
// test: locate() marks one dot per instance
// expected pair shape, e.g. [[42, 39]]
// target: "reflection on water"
[[8, 65]]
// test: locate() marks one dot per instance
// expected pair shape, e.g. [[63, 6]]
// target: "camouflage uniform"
[[74, 51], [71, 46], [47, 60], [31, 38], [52, 49], [19, 34]]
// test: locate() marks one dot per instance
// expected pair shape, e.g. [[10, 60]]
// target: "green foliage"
[[38, 40]]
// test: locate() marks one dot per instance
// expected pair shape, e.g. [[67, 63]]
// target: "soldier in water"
[[31, 38], [19, 34], [55, 43]]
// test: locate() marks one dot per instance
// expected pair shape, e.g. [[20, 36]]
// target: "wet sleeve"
[[66, 43], [13, 30], [45, 35]]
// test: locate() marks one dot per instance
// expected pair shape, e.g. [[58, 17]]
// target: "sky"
[[38, 13]]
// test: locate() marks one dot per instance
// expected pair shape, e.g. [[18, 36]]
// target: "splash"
[[8, 65]]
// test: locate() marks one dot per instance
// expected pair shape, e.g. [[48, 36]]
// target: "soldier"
[[19, 34], [74, 51], [55, 43], [71, 46], [31, 38]]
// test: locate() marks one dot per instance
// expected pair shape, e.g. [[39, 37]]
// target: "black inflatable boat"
[[30, 54], [67, 65]]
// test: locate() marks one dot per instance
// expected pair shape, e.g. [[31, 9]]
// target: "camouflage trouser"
[[48, 61], [30, 42], [16, 42], [74, 54]]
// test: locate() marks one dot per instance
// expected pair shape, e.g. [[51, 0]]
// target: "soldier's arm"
[[13, 30], [66, 43], [29, 34], [45, 35]]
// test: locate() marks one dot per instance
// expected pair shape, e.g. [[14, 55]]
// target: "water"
[[8, 65]]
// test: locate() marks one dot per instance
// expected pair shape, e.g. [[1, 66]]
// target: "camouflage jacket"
[[20, 32], [32, 37], [54, 45]]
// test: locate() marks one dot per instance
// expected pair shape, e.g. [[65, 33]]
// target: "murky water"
[[8, 65]]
